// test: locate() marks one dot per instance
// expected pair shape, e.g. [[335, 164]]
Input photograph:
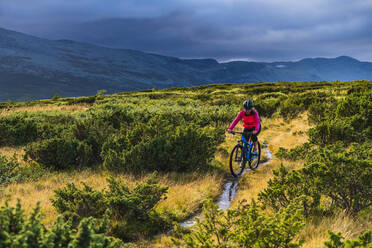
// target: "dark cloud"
[[223, 29]]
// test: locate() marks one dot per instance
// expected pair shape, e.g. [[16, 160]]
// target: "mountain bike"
[[242, 153]]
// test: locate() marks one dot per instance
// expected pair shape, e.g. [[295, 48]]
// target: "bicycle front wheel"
[[254, 160], [237, 161]]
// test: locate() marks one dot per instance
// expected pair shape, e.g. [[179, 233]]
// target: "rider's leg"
[[254, 139]]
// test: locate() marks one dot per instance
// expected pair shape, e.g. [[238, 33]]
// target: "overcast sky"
[[253, 30]]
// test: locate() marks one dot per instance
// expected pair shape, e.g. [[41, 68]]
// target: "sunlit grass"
[[184, 198], [9, 151], [43, 190], [75, 108], [186, 191], [315, 232]]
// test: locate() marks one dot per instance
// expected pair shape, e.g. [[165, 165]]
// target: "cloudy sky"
[[253, 30]]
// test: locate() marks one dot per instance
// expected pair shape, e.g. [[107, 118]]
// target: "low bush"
[[188, 147], [17, 130], [242, 227], [20, 128], [301, 152], [342, 175], [297, 103], [332, 131], [60, 153], [267, 107], [8, 170], [289, 186], [347, 120], [336, 241], [321, 110], [19, 230], [133, 213]]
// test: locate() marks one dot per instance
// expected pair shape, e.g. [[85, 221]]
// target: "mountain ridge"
[[34, 68]]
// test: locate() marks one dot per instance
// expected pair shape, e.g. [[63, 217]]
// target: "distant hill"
[[34, 68]]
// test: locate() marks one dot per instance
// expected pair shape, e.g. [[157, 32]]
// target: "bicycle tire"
[[237, 161], [253, 164]]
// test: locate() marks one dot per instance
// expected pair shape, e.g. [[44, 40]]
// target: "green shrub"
[[346, 120], [322, 110], [242, 227], [77, 100], [78, 203], [267, 107], [186, 148], [18, 231], [287, 187], [299, 152], [332, 131], [336, 241], [16, 130], [132, 210], [60, 153], [344, 176], [8, 170], [12, 172], [20, 128], [297, 103]]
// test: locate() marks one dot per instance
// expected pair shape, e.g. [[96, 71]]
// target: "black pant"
[[254, 136]]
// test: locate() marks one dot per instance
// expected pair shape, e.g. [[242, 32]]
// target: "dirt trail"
[[228, 194]]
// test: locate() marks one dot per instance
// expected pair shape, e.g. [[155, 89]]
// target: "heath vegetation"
[[120, 170]]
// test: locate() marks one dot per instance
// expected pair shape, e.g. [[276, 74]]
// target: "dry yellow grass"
[[315, 232], [49, 107], [184, 198], [43, 190], [185, 195], [280, 133], [9, 152]]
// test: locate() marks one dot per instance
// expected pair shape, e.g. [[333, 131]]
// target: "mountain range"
[[35, 68]]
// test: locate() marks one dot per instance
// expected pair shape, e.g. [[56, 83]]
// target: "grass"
[[9, 151], [47, 107], [186, 192], [43, 190], [315, 232], [185, 197]]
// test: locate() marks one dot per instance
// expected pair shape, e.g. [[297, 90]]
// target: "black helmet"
[[248, 104]]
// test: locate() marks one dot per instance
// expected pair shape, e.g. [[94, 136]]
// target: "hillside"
[[156, 157], [35, 68]]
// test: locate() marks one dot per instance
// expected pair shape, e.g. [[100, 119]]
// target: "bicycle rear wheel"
[[254, 160], [237, 161]]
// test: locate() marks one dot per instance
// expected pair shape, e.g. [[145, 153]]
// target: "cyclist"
[[251, 121]]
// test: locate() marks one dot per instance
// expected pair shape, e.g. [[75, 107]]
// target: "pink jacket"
[[249, 121]]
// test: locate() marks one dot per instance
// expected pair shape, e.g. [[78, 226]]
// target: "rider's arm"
[[237, 119]]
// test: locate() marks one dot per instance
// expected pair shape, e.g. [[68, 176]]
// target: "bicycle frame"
[[247, 150], [242, 153]]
